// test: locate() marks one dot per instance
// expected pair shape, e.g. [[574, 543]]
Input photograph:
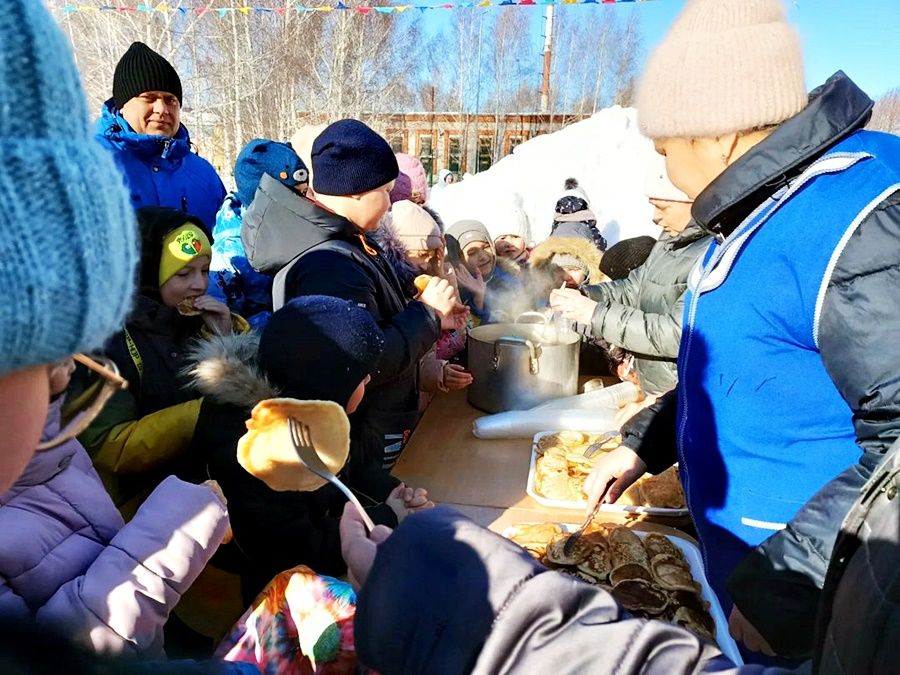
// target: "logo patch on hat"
[[189, 243], [301, 176]]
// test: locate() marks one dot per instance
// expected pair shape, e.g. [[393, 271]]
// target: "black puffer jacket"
[[778, 586], [328, 256], [273, 531]]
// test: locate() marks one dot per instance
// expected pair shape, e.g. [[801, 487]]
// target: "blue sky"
[[862, 37]]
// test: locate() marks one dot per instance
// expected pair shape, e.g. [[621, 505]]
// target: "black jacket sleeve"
[[445, 596], [778, 586], [408, 335], [652, 433]]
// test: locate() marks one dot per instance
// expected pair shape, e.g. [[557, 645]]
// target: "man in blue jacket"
[[141, 125]]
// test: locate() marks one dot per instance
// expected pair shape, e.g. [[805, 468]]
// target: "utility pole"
[[548, 52]]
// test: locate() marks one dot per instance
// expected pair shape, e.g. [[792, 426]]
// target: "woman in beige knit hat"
[[785, 379]]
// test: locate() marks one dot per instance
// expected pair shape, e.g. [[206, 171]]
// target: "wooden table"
[[485, 479]]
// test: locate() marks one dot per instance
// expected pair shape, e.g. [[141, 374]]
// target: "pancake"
[[421, 282], [534, 535], [626, 547], [664, 490], [673, 574], [571, 438], [595, 563], [557, 555], [555, 463], [266, 450], [659, 544], [186, 307], [630, 571], [637, 595]]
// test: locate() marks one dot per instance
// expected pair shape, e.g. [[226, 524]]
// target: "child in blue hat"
[[232, 279]]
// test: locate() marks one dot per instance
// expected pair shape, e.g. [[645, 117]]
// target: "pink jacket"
[[68, 559]]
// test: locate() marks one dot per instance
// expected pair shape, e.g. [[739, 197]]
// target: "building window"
[[426, 155], [454, 155], [395, 138], [514, 142], [485, 153]]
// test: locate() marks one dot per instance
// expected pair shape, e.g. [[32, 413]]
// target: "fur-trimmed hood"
[[395, 251], [575, 246], [224, 368]]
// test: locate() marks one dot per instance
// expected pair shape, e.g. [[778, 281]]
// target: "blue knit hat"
[[349, 158], [261, 156], [68, 244], [320, 348]]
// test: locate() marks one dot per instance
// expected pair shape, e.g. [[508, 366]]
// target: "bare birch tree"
[[886, 115]]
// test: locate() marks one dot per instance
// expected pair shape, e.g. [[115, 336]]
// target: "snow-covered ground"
[[606, 154]]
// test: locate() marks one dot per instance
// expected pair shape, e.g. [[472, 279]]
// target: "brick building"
[[459, 142]]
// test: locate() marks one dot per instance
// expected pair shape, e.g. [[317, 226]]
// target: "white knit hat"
[[725, 66], [657, 184], [507, 217]]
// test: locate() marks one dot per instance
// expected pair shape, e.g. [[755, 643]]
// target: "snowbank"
[[606, 153]]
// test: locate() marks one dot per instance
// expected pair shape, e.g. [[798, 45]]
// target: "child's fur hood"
[[395, 251], [582, 249], [224, 368]]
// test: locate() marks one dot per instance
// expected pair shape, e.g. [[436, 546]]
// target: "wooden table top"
[[485, 479], [445, 458]]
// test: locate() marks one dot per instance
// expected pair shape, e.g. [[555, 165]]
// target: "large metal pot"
[[516, 366]]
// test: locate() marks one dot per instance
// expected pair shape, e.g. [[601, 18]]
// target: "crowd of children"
[[128, 524]]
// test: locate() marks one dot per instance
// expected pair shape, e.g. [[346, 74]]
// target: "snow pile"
[[606, 154]]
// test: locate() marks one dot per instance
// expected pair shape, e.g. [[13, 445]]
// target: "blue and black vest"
[[762, 426]]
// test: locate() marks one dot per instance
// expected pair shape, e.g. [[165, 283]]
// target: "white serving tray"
[[692, 554], [581, 505]]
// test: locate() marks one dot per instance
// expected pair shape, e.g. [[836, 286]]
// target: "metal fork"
[[594, 448], [306, 451], [576, 535]]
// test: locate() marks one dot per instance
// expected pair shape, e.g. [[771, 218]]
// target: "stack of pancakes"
[[649, 577], [561, 467], [561, 470]]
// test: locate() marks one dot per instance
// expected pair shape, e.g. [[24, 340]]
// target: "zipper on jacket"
[[682, 427], [184, 204], [166, 145]]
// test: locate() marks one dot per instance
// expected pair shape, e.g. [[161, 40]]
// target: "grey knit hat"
[[68, 245]]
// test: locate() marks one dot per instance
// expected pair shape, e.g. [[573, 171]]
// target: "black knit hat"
[[141, 69], [625, 256], [320, 348], [349, 158]]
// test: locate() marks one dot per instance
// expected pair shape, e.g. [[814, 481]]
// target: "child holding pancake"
[[316, 348], [144, 432]]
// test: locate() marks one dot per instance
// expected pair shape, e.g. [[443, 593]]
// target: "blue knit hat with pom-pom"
[[261, 156], [68, 245]]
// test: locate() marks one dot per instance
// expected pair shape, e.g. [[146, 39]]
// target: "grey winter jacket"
[[643, 312]]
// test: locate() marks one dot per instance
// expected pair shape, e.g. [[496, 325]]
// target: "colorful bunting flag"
[[247, 10]]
